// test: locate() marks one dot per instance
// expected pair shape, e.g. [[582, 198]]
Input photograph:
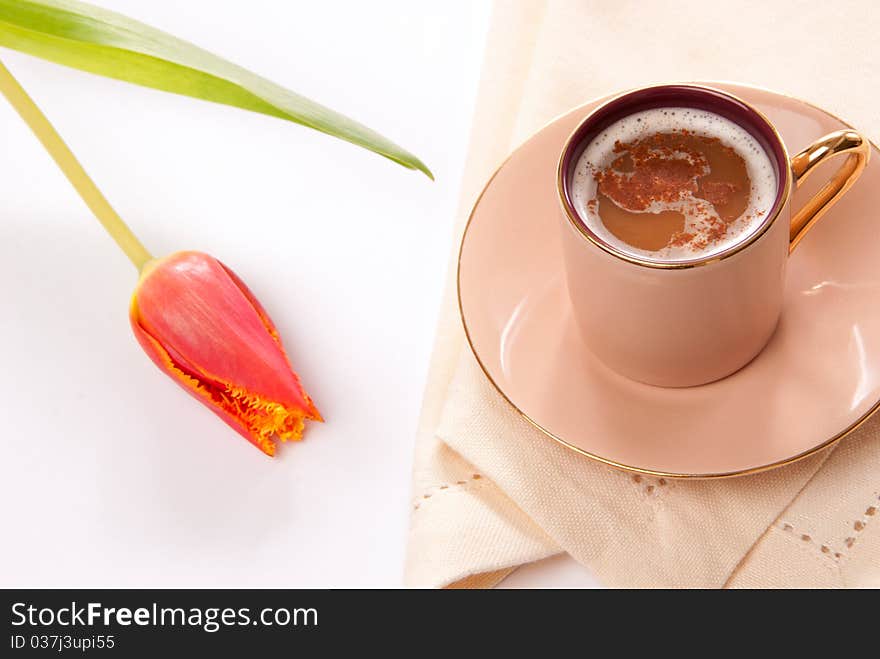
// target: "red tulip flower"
[[204, 328], [195, 318]]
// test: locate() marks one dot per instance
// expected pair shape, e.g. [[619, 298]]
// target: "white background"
[[110, 475]]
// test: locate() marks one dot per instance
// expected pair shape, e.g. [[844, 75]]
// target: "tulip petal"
[[313, 414], [196, 389]]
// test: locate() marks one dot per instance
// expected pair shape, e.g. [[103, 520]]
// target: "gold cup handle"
[[840, 142]]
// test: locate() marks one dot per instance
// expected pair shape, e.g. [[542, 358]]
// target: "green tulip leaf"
[[92, 39]]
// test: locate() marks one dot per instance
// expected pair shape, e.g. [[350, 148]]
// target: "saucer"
[[815, 382]]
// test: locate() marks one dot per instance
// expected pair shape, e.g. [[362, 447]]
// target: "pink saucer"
[[816, 381]]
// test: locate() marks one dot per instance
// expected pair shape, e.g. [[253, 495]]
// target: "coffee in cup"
[[673, 183]]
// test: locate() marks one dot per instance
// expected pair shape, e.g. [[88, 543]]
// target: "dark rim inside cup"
[[686, 96]]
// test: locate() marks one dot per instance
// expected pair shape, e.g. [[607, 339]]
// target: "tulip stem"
[[72, 169]]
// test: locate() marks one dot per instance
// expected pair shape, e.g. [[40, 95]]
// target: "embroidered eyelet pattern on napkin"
[[859, 525], [447, 487]]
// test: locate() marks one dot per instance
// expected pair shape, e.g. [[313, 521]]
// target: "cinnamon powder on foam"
[[664, 168]]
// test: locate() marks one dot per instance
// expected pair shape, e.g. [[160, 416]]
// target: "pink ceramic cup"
[[685, 323]]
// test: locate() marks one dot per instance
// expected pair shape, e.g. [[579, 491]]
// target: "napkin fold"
[[490, 492]]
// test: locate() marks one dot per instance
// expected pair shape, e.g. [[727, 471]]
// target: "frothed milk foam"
[[677, 147]]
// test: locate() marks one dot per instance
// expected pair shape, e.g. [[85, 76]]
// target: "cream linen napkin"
[[492, 493]]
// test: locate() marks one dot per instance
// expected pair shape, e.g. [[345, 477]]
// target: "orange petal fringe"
[[261, 419]]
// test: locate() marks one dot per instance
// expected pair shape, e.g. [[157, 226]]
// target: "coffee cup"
[[704, 306]]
